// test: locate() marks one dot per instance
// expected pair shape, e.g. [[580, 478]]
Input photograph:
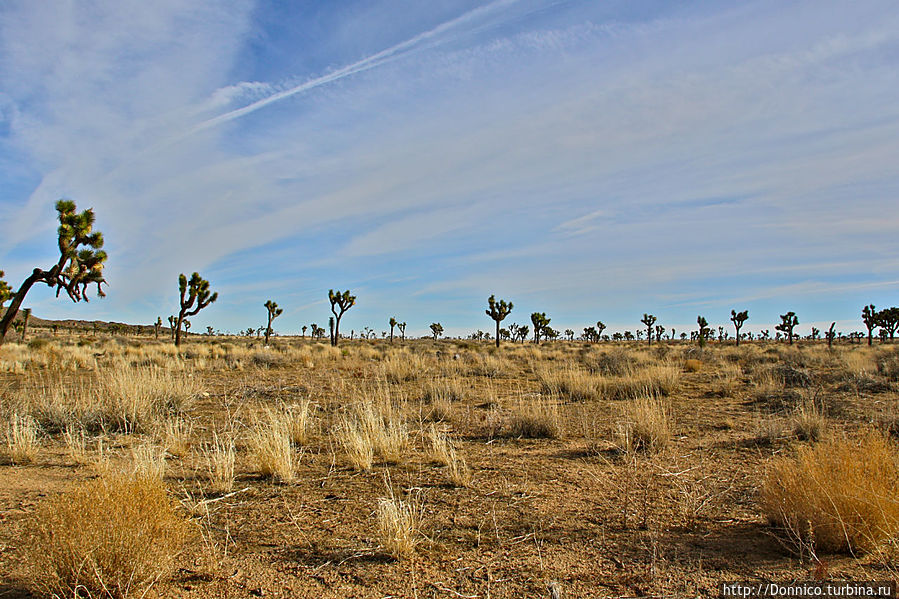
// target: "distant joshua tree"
[[738, 318], [703, 333], [436, 330], [869, 317], [830, 334], [498, 310], [570, 334], [402, 327], [156, 326], [340, 303], [273, 312], [648, 320], [172, 321], [26, 314], [392, 324], [304, 331], [600, 327], [660, 330], [888, 321], [195, 295], [788, 322], [80, 264], [540, 322]]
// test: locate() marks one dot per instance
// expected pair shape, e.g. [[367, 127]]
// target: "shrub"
[[839, 495], [270, 447], [535, 419], [644, 425], [398, 525], [114, 536]]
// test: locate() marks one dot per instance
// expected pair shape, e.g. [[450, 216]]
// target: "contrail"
[[365, 64]]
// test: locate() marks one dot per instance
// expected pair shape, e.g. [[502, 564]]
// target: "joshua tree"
[[80, 263], [888, 321], [304, 331], [660, 330], [738, 318], [703, 330], [648, 320], [830, 334], [172, 322], [210, 331], [436, 330], [787, 322], [540, 322], [523, 331], [570, 334], [273, 312], [156, 326], [340, 303], [497, 310], [392, 324], [26, 314], [195, 295], [869, 317], [600, 327], [815, 333], [186, 326], [6, 293], [402, 327]]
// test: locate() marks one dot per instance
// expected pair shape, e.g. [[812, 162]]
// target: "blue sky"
[[593, 160]]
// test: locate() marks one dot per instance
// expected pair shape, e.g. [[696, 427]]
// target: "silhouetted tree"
[[648, 320], [788, 321], [831, 334], [703, 333], [392, 323], [26, 314], [80, 263], [869, 317], [402, 327], [498, 310], [340, 303], [195, 295], [436, 330], [273, 312], [738, 318], [540, 322], [888, 321]]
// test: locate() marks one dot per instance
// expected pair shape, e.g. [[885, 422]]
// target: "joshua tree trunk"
[[13, 308]]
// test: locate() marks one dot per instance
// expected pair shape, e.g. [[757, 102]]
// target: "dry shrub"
[[613, 363], [270, 447], [375, 428], [398, 525], [571, 383], [219, 457], [114, 536], [442, 451], [644, 425], [692, 365], [535, 419], [175, 434], [659, 380], [298, 418], [485, 365], [402, 367], [809, 422], [22, 439], [838, 496], [76, 443]]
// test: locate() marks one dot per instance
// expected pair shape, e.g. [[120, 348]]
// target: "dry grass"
[[837, 496], [441, 450], [219, 457], [809, 422], [571, 383], [644, 425], [535, 419], [114, 536], [270, 447], [22, 439], [375, 428], [398, 525], [176, 436]]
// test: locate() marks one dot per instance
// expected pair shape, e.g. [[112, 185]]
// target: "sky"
[[591, 160]]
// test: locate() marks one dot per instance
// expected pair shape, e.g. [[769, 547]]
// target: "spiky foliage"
[[788, 322], [436, 330], [195, 295], [869, 317], [888, 321], [703, 330], [6, 292], [402, 327], [540, 322], [648, 320], [340, 303], [273, 312], [392, 324], [80, 262], [498, 310], [738, 318]]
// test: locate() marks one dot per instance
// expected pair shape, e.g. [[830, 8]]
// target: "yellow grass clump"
[[535, 419], [398, 525], [22, 442], [837, 496], [644, 425], [114, 536], [270, 446]]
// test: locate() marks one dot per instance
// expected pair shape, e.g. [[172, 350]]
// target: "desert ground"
[[447, 469]]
